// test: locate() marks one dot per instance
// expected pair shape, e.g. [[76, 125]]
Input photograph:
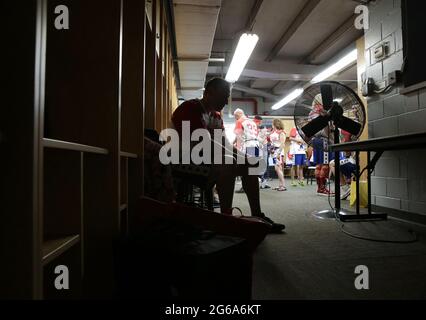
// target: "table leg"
[[369, 182], [357, 182]]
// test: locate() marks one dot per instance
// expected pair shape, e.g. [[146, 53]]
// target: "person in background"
[[347, 166], [277, 138], [320, 144], [347, 172], [262, 137], [298, 153], [322, 157], [246, 133], [205, 113]]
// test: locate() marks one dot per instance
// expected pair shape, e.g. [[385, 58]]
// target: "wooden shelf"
[[55, 247], [128, 155], [58, 144]]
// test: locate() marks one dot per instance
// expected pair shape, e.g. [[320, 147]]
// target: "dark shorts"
[[319, 156], [347, 169]]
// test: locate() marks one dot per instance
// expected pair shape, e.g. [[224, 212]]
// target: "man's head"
[[216, 93], [238, 114], [258, 120]]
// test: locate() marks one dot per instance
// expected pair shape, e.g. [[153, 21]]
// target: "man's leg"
[[300, 175], [293, 173], [331, 169], [251, 187], [225, 184], [318, 177]]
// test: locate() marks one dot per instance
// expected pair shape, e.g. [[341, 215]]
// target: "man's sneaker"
[[275, 227], [294, 184], [302, 183], [345, 192], [325, 193]]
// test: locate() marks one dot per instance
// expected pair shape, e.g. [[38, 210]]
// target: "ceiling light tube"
[[293, 95], [245, 47], [339, 65], [216, 59]]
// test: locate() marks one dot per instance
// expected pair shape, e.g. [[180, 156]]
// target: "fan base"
[[325, 214], [346, 217]]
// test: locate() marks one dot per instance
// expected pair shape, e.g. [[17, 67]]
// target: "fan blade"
[[349, 125], [315, 125], [327, 96]]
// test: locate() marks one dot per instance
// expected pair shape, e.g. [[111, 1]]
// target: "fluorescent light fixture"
[[245, 47], [216, 59], [293, 95], [339, 65]]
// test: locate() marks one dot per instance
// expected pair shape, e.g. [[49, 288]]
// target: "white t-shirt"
[[247, 132], [275, 138], [296, 147]]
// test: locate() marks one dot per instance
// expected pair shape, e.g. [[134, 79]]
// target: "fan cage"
[[309, 105]]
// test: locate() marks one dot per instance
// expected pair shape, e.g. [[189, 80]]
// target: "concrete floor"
[[314, 259]]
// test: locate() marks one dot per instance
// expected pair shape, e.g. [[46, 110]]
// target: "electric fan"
[[327, 108]]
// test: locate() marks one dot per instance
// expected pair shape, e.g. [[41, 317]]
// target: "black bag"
[[183, 262]]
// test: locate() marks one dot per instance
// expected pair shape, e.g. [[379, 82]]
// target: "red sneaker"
[[325, 192]]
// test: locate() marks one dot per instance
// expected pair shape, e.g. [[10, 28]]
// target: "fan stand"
[[337, 211]]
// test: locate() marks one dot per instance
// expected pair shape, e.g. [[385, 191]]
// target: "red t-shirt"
[[194, 112], [346, 136]]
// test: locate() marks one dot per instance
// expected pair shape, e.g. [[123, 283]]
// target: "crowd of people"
[[254, 139]]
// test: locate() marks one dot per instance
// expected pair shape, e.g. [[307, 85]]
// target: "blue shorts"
[[347, 169], [299, 159]]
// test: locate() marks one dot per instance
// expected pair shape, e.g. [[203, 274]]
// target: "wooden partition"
[[71, 137]]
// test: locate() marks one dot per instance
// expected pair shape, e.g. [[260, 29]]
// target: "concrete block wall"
[[399, 181]]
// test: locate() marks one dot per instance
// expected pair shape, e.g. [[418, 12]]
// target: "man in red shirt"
[[206, 114]]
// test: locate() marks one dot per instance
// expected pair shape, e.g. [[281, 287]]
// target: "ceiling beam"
[[336, 35], [284, 87], [253, 14], [291, 30], [250, 73], [282, 67], [272, 68], [255, 92]]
